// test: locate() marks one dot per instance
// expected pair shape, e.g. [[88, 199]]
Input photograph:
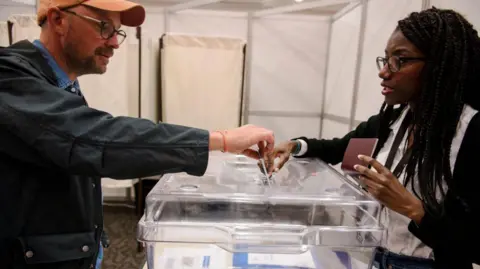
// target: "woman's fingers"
[[375, 164]]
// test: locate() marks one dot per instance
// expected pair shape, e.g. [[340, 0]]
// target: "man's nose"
[[113, 42]]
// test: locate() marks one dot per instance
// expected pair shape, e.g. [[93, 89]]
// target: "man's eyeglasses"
[[107, 30], [395, 62]]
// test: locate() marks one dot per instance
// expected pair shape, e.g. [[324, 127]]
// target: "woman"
[[428, 147]]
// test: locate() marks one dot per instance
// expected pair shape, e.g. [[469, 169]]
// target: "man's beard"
[[81, 66]]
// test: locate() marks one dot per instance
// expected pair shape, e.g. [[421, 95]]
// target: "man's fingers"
[[261, 149], [270, 139], [269, 162], [251, 153]]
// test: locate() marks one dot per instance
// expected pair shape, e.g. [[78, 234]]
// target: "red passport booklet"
[[357, 146]]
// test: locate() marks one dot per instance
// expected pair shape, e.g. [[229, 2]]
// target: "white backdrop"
[[288, 55], [288, 63]]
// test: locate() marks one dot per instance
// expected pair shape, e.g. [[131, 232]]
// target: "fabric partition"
[[24, 27], [150, 64], [202, 81], [4, 42]]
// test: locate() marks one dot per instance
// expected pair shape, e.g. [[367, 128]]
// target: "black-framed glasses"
[[395, 62], [107, 30]]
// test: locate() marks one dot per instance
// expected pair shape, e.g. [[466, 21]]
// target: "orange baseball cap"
[[131, 14]]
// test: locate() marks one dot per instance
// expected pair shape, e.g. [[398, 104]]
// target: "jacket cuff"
[[435, 231], [199, 156], [426, 231]]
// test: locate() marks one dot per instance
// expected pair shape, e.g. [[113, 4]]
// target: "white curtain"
[[202, 81], [24, 27], [4, 34]]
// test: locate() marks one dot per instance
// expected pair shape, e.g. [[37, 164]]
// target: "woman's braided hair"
[[450, 79]]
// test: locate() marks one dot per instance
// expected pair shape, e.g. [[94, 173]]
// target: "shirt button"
[[96, 226], [93, 185], [29, 254], [73, 90], [85, 248]]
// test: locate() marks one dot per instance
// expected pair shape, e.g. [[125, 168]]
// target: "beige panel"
[[202, 79]]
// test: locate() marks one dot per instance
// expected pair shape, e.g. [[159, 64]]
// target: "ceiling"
[[255, 5]]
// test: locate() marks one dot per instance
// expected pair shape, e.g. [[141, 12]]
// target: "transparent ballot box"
[[306, 215]]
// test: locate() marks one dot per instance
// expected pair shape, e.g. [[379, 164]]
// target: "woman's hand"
[[386, 188], [282, 151]]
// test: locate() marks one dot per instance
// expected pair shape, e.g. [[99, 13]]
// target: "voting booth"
[[307, 215]]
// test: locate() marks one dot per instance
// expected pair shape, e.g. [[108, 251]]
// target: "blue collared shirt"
[[64, 82]]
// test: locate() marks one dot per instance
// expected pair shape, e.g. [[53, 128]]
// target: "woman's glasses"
[[395, 62]]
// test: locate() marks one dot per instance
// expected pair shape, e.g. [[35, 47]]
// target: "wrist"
[[217, 141], [295, 147], [416, 212]]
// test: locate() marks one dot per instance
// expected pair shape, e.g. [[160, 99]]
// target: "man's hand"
[[386, 188], [240, 140]]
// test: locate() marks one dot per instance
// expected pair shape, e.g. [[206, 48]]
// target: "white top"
[[397, 237]]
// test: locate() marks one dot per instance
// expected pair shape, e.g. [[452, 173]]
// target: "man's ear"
[[57, 20]]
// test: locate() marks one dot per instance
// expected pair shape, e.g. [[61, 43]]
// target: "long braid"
[[449, 80], [387, 117], [383, 130]]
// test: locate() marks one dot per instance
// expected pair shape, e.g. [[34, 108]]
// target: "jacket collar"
[[63, 81], [33, 55]]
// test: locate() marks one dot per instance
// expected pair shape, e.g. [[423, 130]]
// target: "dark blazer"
[[454, 237]]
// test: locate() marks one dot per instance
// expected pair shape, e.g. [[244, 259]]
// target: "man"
[[54, 148]]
